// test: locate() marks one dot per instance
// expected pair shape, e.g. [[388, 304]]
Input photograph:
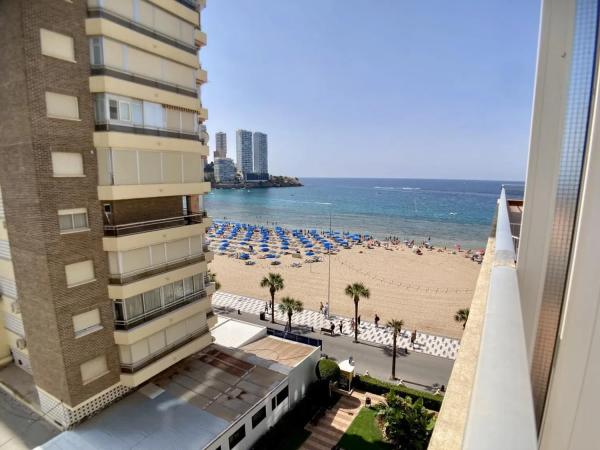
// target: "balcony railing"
[[151, 225], [147, 130], [140, 274], [121, 74], [151, 315], [477, 411], [145, 362], [189, 3]]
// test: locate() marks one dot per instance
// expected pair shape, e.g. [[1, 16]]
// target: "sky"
[[378, 88]]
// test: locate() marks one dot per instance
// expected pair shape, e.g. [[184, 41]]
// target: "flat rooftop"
[[284, 352], [185, 407]]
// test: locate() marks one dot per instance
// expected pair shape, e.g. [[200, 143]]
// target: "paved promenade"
[[428, 344]]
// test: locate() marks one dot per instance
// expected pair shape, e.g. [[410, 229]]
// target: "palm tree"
[[274, 282], [461, 316], [289, 306], [356, 291], [396, 326]]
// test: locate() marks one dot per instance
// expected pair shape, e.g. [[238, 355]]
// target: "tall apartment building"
[[261, 160], [243, 148], [225, 171], [103, 264], [527, 374], [221, 145]]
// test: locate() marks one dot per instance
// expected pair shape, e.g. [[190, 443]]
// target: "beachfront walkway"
[[426, 343]]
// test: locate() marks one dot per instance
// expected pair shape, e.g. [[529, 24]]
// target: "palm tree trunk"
[[356, 320], [272, 306], [394, 358]]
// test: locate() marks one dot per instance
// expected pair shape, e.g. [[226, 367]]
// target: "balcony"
[[130, 277], [165, 309], [488, 402], [200, 38], [152, 225], [150, 359], [116, 72], [150, 31], [203, 115], [201, 76]]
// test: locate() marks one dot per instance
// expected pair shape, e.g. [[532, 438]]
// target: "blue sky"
[[379, 88]]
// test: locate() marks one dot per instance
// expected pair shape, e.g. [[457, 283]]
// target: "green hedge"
[[379, 387], [328, 369]]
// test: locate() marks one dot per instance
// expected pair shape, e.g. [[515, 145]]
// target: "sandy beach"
[[423, 290]]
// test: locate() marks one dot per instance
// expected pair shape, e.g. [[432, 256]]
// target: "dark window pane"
[[236, 437], [259, 416]]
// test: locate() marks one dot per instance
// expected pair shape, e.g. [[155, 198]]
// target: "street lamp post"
[[329, 269]]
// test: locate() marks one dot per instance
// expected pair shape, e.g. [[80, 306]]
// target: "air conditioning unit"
[[15, 308], [21, 344]]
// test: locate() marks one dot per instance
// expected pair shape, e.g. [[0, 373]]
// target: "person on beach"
[[376, 321], [321, 308]]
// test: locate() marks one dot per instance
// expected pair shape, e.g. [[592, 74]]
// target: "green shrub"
[[328, 369], [379, 387]]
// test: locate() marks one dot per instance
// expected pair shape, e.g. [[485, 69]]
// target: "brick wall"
[[32, 197]]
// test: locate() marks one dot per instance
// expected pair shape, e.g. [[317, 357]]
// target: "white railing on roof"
[[501, 413]]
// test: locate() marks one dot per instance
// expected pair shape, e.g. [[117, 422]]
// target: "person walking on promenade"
[[352, 324], [358, 321], [413, 338], [341, 327], [376, 321], [332, 327]]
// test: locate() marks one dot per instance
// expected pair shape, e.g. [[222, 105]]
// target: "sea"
[[449, 212]]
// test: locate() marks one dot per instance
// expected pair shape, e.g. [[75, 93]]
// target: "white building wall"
[[244, 151]]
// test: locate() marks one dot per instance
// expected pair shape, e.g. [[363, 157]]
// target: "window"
[[273, 403], [96, 51], [67, 164], [79, 273], [57, 45], [236, 437], [94, 368], [60, 106], [124, 113], [259, 416], [113, 109], [152, 300], [283, 394], [134, 306], [72, 220], [87, 322]]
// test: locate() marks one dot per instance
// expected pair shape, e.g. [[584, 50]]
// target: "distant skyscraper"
[[221, 146], [261, 162], [244, 151]]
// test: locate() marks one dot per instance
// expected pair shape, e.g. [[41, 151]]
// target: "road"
[[416, 368], [21, 428]]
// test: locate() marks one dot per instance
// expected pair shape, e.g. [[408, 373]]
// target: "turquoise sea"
[[449, 211]]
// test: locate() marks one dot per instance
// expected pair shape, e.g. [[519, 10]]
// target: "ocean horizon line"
[[300, 177]]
